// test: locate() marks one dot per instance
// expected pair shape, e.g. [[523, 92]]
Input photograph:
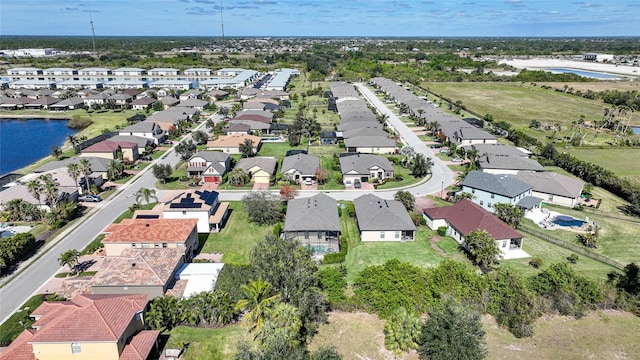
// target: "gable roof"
[[267, 164], [144, 101], [369, 141], [139, 127], [552, 183], [377, 214], [140, 141], [316, 213], [140, 345], [233, 140], [500, 184], [305, 164], [97, 164], [66, 321], [466, 217], [362, 163], [150, 230], [213, 157], [107, 146]]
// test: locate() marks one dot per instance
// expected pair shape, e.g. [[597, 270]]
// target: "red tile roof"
[[139, 267], [150, 230], [20, 349], [140, 345], [466, 217], [67, 321], [106, 146], [254, 117]]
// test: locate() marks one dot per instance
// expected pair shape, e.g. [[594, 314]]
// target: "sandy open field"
[[538, 63]]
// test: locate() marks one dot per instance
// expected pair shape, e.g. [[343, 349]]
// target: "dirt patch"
[[434, 245], [423, 203]]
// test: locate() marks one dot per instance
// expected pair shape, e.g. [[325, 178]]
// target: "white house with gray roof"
[[145, 129], [506, 164], [489, 189], [383, 220], [300, 166], [553, 188], [370, 144], [314, 221], [364, 167], [210, 165]]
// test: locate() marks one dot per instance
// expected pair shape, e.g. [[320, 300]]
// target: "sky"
[[437, 18]]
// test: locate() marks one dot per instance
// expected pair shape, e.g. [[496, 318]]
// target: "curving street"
[[35, 272]]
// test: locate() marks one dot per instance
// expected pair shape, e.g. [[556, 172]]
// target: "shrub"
[[351, 209], [93, 246], [536, 262], [333, 282], [78, 122], [277, 229], [573, 258], [339, 257], [442, 231]]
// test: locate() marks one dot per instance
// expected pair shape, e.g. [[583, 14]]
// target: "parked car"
[[308, 181], [168, 142], [357, 184], [456, 160], [89, 198], [347, 184], [444, 151], [436, 146]]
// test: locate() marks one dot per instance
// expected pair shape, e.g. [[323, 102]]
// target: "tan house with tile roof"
[[138, 271], [87, 327], [152, 234], [110, 149], [231, 143]]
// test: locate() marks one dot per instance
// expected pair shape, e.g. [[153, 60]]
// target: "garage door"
[[212, 179]]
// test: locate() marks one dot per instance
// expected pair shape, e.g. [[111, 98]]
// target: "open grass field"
[[518, 104], [206, 343], [597, 85], [599, 335], [623, 161], [237, 238]]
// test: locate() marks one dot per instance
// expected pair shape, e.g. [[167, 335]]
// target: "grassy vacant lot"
[[622, 161], [206, 343], [278, 149], [518, 104], [599, 335], [237, 238]]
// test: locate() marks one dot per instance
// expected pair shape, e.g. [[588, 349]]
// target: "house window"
[[164, 245], [319, 234], [155, 245], [481, 202], [76, 348], [145, 245], [504, 243], [306, 235], [133, 245], [397, 235], [489, 205], [493, 196], [473, 191], [184, 213], [381, 234], [550, 197]]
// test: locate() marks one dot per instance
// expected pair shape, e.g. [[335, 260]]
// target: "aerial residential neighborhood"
[[318, 197]]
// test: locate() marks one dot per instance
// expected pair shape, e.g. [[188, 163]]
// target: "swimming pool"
[[567, 221], [320, 250], [583, 73]]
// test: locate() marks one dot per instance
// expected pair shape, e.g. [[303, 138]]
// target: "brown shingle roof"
[[104, 146], [150, 230], [233, 140], [466, 217]]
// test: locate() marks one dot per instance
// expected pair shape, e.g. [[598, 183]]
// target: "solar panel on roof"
[[187, 200], [186, 206], [147, 216]]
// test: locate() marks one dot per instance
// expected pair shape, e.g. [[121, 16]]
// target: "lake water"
[[636, 130], [25, 141], [583, 73]]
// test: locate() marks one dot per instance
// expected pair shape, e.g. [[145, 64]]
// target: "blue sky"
[[322, 17]]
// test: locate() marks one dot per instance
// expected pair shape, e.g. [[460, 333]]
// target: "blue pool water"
[[583, 73], [567, 222], [636, 130], [320, 250]]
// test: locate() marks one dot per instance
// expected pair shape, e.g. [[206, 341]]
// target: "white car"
[[308, 181]]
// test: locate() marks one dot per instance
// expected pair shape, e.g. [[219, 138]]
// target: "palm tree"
[[74, 143], [146, 194], [69, 258], [257, 302], [50, 188], [115, 170], [73, 169], [85, 168], [35, 189]]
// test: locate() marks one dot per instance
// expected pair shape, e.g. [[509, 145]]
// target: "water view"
[[583, 73], [25, 141]]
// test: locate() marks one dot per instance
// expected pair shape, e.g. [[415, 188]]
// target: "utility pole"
[[221, 21], [93, 33]]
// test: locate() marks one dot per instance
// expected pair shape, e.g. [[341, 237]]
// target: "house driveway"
[[259, 186], [304, 186], [365, 187]]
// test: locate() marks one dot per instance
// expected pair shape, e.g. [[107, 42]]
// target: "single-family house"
[[99, 99], [191, 94], [465, 217], [67, 189], [168, 101], [109, 327], [328, 138], [121, 100], [126, 151], [314, 221], [553, 188], [145, 129], [71, 103], [144, 144], [230, 144], [163, 72], [202, 205], [129, 71], [370, 145], [99, 167], [236, 127], [193, 103], [260, 168], [506, 164], [299, 167], [143, 103], [365, 167], [383, 220], [209, 165], [489, 189], [42, 103], [197, 72], [152, 234], [138, 271]]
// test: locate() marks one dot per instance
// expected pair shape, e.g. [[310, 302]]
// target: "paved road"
[[36, 271]]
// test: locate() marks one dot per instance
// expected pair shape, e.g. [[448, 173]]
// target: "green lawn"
[[237, 238], [407, 179], [11, 328], [206, 343], [621, 160], [551, 254]]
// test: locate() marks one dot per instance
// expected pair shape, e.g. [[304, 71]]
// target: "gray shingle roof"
[[214, 157], [362, 163], [140, 141], [140, 127], [267, 164], [97, 164], [496, 149], [369, 141], [529, 202], [316, 213], [376, 214], [506, 162], [552, 183], [305, 164], [504, 185]]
